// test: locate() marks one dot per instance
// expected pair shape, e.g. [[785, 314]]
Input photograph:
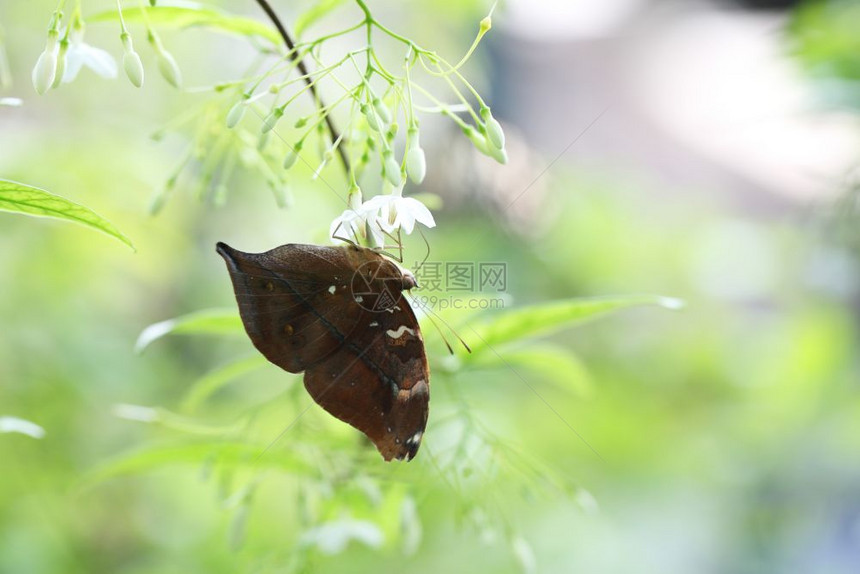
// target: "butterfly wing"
[[294, 301], [338, 314], [379, 381]]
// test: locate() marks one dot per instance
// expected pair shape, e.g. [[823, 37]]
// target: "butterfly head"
[[408, 280]]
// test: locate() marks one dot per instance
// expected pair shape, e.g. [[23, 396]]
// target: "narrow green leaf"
[[534, 320], [20, 198], [207, 385], [192, 15], [314, 13], [203, 322], [166, 419], [227, 454], [550, 362]]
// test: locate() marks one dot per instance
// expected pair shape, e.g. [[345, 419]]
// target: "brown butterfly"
[[337, 314]]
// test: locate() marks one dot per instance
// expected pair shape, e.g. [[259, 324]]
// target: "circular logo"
[[377, 286]]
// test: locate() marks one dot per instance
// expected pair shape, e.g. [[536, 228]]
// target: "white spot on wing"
[[359, 299], [415, 439], [332, 289], [374, 324], [399, 332]]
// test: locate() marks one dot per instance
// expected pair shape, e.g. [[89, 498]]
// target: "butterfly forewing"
[[294, 302]]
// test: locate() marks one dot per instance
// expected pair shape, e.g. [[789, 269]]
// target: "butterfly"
[[337, 313]]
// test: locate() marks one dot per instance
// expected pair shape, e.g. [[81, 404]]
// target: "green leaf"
[[192, 15], [20, 198], [229, 454], [550, 362], [314, 13], [164, 418], [203, 322], [535, 320], [207, 385]]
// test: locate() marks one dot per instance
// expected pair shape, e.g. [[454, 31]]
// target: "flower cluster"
[[381, 100]]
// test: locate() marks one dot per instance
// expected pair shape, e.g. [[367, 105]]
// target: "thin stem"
[[300, 64]]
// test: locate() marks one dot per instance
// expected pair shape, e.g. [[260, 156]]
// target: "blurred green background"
[[722, 438]]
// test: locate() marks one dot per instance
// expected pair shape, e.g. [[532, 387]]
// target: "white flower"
[[393, 211], [380, 215], [350, 224], [81, 54]]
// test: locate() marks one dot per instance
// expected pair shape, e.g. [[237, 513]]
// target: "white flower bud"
[[133, 68], [131, 62], [495, 134], [354, 197], [392, 132], [372, 122], [263, 141], [169, 68], [45, 69], [61, 63], [293, 155], [272, 119], [484, 146], [234, 116], [382, 111], [416, 163], [391, 168]]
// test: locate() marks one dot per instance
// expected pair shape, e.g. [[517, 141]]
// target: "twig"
[[303, 69]]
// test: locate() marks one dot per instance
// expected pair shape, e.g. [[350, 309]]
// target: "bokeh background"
[[703, 150]]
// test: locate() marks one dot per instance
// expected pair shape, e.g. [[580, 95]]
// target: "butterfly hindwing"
[[379, 382]]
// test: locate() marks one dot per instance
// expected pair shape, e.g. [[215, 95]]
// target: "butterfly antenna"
[[398, 244], [441, 334], [335, 236], [427, 256]]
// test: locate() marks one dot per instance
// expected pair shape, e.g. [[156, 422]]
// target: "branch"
[[303, 69]]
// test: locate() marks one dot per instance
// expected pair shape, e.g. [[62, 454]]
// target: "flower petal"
[[100, 62], [419, 211]]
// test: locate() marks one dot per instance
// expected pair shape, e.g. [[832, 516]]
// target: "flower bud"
[[382, 111], [301, 122], [293, 155], [131, 62], [61, 63], [484, 146], [234, 116], [263, 141], [416, 163], [45, 69], [354, 197], [392, 132], [390, 168], [485, 25], [495, 134], [370, 116], [169, 68], [272, 119]]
